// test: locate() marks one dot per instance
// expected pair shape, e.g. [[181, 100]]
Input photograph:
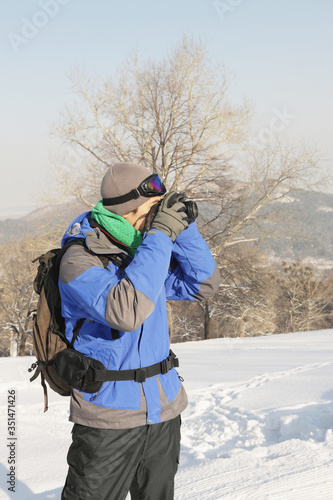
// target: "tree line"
[[255, 297], [176, 117]]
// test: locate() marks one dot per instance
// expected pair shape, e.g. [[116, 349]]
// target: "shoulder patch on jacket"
[[75, 262]]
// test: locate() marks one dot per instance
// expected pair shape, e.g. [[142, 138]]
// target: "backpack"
[[49, 339], [58, 363]]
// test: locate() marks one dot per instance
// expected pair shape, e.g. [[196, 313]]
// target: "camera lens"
[[191, 209]]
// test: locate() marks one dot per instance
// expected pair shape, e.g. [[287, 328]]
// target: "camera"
[[191, 210]]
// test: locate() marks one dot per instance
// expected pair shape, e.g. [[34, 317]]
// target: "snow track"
[[279, 453]]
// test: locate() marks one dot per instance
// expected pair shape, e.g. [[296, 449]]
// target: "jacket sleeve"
[[120, 300], [195, 275]]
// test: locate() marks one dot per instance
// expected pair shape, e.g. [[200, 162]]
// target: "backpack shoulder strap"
[[76, 241]]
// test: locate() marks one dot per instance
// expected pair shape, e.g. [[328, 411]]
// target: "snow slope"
[[259, 423]]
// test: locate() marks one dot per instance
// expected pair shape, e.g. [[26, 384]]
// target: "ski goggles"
[[151, 186]]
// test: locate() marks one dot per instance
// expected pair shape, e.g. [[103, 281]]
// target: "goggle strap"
[[132, 195]]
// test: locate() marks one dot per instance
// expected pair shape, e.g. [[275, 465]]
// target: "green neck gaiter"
[[118, 227]]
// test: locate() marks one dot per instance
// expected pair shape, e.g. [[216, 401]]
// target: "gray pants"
[[105, 464]]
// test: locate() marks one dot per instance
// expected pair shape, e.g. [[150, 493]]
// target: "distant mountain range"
[[305, 230], [15, 212], [39, 220]]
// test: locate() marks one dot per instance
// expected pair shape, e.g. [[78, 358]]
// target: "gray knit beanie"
[[120, 179]]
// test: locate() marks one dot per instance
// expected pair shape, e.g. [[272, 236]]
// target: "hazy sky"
[[281, 53]]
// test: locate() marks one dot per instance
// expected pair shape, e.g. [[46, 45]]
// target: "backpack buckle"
[[166, 365]]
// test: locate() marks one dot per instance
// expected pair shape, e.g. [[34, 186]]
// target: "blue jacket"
[[132, 301]]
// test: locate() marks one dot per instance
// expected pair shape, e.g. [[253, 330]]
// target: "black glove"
[[171, 216]]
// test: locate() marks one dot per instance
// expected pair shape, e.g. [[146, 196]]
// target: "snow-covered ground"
[[259, 423]]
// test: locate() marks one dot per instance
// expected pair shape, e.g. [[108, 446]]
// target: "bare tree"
[[243, 303], [245, 213], [187, 322], [17, 297], [173, 116], [304, 298], [271, 175]]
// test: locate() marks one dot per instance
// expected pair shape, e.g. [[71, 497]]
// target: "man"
[[126, 436]]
